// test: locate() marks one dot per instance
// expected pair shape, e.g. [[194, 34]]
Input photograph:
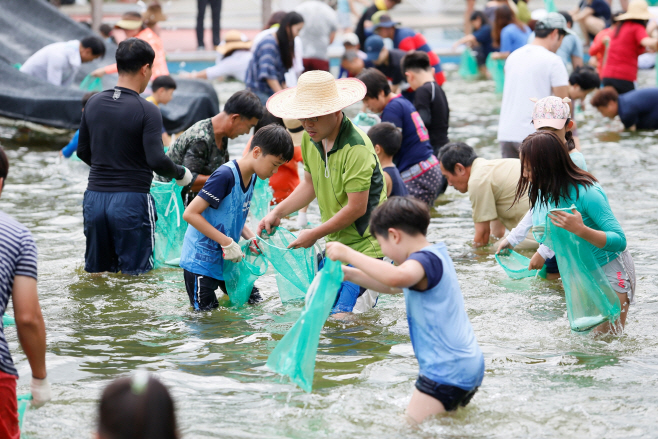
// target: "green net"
[[260, 200], [23, 402], [170, 227], [549, 5], [91, 83], [515, 264], [497, 69], [295, 354], [295, 268], [589, 296], [8, 320], [468, 65], [240, 276]]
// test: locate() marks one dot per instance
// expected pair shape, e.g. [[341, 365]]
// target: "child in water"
[[450, 360], [387, 140], [212, 233]]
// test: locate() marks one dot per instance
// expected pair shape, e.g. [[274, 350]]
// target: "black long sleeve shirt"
[[121, 140]]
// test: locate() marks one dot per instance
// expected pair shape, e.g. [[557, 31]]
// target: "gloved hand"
[[187, 178], [41, 393], [302, 220], [232, 252]]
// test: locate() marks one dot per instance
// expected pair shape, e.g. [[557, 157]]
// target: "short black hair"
[[417, 60], [479, 14], [164, 81], [375, 82], [454, 153], [245, 103], [133, 54], [386, 135], [86, 97], [567, 16], [105, 29], [94, 43], [585, 77], [268, 118], [275, 140], [4, 166], [407, 214], [543, 33]]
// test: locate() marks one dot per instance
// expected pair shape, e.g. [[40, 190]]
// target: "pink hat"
[[551, 112]]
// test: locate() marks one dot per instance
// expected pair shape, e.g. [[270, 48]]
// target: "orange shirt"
[[286, 178], [159, 63]]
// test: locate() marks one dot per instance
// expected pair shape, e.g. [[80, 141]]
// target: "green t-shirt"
[[353, 167]]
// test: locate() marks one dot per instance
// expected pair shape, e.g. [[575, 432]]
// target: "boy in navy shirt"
[[387, 140], [449, 357], [212, 233]]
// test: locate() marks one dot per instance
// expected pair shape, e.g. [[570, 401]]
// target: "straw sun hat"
[[317, 94], [637, 10]]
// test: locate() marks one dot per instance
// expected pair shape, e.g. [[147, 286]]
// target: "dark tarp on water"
[[28, 25]]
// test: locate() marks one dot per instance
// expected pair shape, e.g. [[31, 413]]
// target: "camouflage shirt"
[[197, 150]]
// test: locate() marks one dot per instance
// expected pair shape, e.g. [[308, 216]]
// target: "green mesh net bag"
[[23, 402], [8, 320], [549, 5], [295, 354], [91, 83], [468, 65], [261, 198], [497, 69], [295, 268], [170, 227], [589, 296], [240, 276], [515, 264]]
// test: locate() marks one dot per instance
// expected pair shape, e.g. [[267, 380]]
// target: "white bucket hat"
[[317, 94]]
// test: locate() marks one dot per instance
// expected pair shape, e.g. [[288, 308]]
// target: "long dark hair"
[[285, 39], [504, 16], [553, 171]]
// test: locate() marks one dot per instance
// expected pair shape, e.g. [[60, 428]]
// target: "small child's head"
[[105, 30], [351, 41], [553, 114], [86, 97], [416, 67], [163, 89], [397, 220], [352, 63], [582, 81], [387, 140], [271, 147]]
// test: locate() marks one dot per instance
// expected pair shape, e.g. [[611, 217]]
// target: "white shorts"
[[621, 275]]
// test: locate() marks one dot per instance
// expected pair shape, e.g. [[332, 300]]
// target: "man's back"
[[56, 63], [639, 108]]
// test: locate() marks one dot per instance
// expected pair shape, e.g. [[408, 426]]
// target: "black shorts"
[[120, 231], [622, 86], [551, 265], [450, 396], [201, 290]]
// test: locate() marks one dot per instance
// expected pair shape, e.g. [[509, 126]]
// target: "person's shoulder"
[[222, 175], [10, 228]]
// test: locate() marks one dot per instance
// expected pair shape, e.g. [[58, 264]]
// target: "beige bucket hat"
[[637, 10], [317, 94]]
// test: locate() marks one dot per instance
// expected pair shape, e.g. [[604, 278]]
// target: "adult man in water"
[[18, 280], [341, 169], [637, 109], [203, 147], [120, 138]]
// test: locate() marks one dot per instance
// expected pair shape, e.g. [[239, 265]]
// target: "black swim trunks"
[[450, 396]]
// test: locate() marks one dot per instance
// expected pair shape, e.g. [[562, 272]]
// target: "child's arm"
[[406, 275], [193, 217], [360, 278], [247, 233]]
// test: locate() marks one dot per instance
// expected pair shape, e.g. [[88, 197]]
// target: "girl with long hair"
[[508, 32]]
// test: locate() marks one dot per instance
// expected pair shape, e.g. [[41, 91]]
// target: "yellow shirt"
[[152, 99], [492, 188]]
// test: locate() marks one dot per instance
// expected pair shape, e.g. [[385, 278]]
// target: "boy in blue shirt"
[[450, 360], [387, 140], [212, 233]]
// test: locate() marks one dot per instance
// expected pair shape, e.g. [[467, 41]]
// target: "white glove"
[[187, 178], [302, 220], [41, 393], [232, 252]]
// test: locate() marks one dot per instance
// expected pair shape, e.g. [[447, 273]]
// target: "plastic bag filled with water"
[[170, 227], [91, 83], [295, 354], [261, 199], [240, 276], [589, 296], [468, 65], [497, 69], [295, 268]]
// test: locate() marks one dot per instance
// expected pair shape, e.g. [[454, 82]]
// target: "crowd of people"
[[374, 189]]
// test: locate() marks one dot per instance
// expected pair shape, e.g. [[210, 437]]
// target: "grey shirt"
[[319, 22], [56, 63]]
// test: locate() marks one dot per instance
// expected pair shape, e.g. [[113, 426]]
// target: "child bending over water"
[[450, 360]]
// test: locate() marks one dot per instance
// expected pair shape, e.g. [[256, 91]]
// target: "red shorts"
[[8, 407], [315, 64]]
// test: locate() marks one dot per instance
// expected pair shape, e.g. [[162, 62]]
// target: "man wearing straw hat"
[[341, 169]]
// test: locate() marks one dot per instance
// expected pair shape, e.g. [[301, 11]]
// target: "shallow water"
[[541, 379]]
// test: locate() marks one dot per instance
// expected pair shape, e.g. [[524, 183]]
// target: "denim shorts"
[[450, 396]]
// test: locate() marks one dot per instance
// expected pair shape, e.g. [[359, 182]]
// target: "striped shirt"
[[266, 63], [18, 257]]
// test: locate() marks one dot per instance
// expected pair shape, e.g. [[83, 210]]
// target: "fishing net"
[[549, 5], [8, 320], [497, 69], [240, 276], [23, 402], [91, 83], [261, 199], [170, 227], [515, 264], [468, 65], [295, 354], [590, 298], [295, 268]]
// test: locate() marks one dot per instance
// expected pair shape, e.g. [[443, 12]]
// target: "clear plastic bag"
[[170, 227], [240, 276]]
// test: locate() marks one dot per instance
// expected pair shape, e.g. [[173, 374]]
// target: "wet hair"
[[245, 103], [164, 81], [453, 153], [567, 16], [603, 96], [275, 18], [375, 82], [504, 16], [94, 43], [133, 54], [285, 39], [479, 14], [4, 166], [128, 411], [86, 97], [552, 170], [275, 140], [387, 136], [268, 118], [585, 77], [417, 61], [407, 214]]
